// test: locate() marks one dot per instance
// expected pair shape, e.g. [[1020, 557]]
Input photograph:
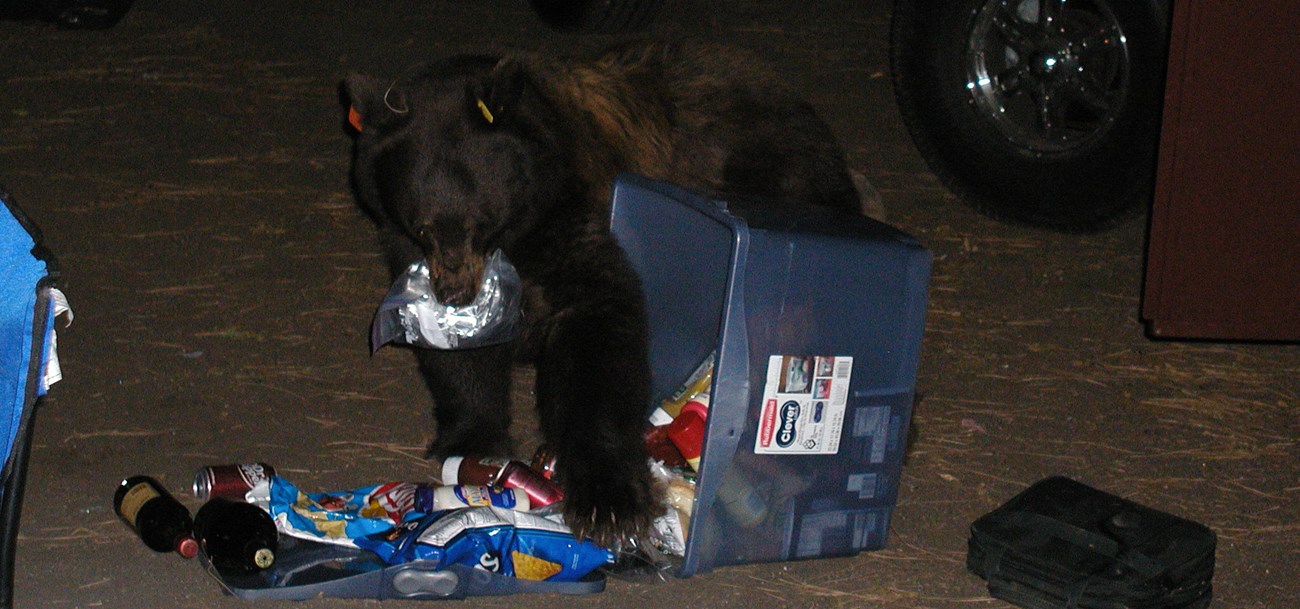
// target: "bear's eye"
[[423, 235]]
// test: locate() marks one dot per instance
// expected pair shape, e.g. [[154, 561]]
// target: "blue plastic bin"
[[814, 320]]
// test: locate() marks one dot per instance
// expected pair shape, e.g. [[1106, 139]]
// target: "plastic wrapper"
[[657, 556], [679, 499], [411, 314], [342, 516], [522, 545], [401, 522]]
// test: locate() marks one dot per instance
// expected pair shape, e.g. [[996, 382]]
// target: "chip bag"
[[341, 516], [517, 544]]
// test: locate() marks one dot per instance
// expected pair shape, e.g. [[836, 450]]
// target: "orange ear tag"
[[354, 118]]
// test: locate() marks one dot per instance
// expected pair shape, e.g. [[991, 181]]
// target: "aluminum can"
[[544, 462], [541, 492], [232, 481]]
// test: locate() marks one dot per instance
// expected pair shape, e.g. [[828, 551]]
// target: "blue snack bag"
[[516, 544], [341, 517]]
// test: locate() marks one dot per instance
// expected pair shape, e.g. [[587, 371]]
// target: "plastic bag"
[[411, 314], [657, 555], [524, 545], [340, 517]]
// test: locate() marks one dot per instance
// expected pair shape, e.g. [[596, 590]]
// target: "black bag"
[[1061, 544]]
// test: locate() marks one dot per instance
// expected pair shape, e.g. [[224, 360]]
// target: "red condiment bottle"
[[687, 430]]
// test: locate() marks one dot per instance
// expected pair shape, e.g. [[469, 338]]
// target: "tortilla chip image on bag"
[[518, 544]]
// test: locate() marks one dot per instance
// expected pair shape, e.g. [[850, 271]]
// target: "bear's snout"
[[456, 277], [455, 269]]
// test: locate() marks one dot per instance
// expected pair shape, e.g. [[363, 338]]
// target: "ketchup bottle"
[[687, 430], [476, 470]]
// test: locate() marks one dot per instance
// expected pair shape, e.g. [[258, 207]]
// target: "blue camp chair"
[[27, 311]]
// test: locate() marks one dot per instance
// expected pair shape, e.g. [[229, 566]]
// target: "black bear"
[[460, 157]]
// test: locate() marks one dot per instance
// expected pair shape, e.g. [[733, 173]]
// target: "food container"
[[814, 319]]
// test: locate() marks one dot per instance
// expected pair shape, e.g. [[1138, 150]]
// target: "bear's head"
[[457, 158]]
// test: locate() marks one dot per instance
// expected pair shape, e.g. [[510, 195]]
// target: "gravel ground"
[[188, 167]]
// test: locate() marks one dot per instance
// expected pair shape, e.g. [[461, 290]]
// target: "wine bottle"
[[237, 537], [162, 522]]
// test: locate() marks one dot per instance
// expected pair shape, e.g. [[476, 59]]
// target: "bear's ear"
[[496, 98], [371, 102]]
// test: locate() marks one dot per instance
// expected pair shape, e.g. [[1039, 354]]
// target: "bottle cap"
[[187, 547], [700, 409], [687, 430], [263, 558], [451, 470]]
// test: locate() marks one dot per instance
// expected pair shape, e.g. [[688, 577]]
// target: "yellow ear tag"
[[354, 118], [487, 114]]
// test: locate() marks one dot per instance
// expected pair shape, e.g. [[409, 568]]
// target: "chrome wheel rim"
[[1050, 75]]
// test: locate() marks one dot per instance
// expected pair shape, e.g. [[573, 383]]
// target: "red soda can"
[[232, 481], [541, 492], [544, 462]]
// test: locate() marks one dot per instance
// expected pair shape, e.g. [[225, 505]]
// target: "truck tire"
[[1040, 112]]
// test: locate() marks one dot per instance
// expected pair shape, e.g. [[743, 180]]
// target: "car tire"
[[596, 16], [1035, 111]]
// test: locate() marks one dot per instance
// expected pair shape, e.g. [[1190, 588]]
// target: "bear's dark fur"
[[459, 157]]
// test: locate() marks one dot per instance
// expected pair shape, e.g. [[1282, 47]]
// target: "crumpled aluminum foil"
[[411, 314]]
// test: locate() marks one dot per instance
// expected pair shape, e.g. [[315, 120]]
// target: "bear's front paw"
[[609, 502]]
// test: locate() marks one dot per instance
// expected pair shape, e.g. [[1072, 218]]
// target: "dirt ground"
[[188, 167]]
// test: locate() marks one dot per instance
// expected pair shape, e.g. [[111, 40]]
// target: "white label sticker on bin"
[[803, 405]]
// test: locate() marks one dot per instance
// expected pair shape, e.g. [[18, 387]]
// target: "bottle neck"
[[263, 556], [187, 547]]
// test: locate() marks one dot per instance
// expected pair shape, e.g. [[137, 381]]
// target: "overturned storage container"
[[814, 321]]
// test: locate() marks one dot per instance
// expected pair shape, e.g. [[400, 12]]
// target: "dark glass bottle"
[[237, 537], [162, 522]]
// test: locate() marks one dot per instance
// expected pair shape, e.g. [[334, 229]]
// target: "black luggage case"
[[1061, 544]]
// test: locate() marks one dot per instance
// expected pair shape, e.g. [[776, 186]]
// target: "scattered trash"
[[233, 481], [162, 522], [507, 542], [236, 537], [342, 517], [504, 473], [687, 429], [264, 538], [543, 462], [472, 469]]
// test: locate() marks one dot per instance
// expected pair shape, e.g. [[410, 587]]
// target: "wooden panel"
[[1224, 251]]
